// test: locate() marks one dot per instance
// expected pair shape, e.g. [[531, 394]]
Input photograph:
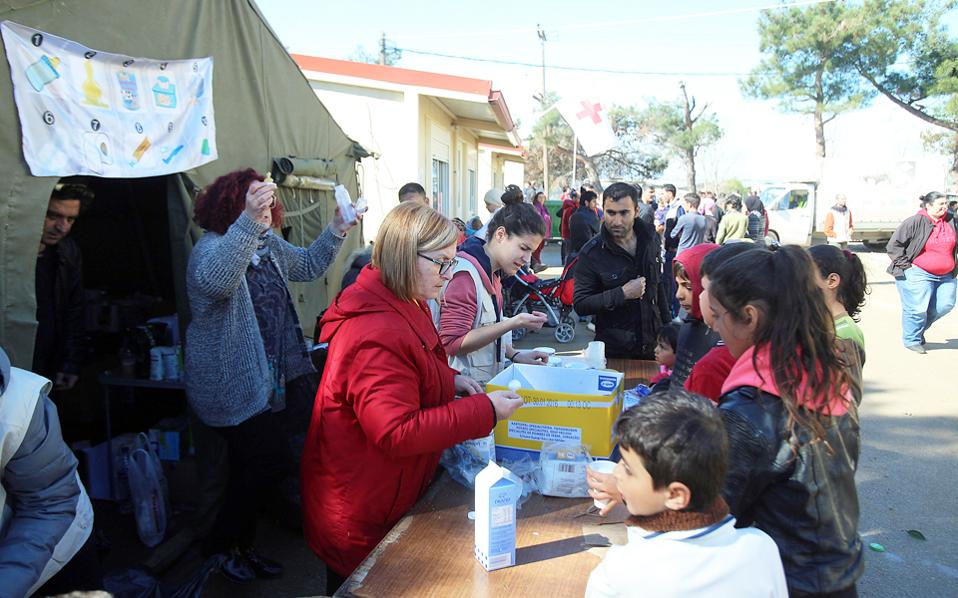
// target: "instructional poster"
[[83, 111]]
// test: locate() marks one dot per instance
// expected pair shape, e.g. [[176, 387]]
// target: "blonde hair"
[[409, 229]]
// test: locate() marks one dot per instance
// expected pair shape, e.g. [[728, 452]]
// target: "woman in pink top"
[[539, 203], [922, 253]]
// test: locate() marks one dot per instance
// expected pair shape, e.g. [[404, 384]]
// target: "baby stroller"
[[553, 296]]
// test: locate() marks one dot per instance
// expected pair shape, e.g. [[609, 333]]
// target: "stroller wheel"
[[565, 332], [518, 333]]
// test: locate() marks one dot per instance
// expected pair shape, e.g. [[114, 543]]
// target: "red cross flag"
[[590, 121]]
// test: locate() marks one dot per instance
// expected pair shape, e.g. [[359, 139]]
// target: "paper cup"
[[601, 466], [547, 350]]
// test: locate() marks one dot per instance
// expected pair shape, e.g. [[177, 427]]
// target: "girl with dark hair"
[[757, 218], [471, 327], [788, 410], [845, 285], [923, 252], [245, 356]]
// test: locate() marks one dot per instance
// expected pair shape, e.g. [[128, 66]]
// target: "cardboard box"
[[561, 404], [497, 494]]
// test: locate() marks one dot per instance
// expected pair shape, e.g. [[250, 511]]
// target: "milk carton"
[[497, 493]]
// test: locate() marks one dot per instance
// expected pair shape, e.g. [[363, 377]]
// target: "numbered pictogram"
[[169, 127], [128, 62], [204, 121], [95, 124], [162, 66], [37, 39], [48, 118], [89, 54], [138, 127], [196, 67]]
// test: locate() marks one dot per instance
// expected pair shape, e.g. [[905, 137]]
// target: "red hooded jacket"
[[691, 260], [384, 412]]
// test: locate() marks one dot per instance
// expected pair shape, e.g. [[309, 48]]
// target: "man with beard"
[[618, 278]]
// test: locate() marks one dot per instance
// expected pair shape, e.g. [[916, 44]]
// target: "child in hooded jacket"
[[695, 337], [709, 373], [790, 418]]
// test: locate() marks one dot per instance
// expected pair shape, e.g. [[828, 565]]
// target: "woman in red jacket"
[[386, 406]]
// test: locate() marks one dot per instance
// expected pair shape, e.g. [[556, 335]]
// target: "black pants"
[[260, 459], [83, 572]]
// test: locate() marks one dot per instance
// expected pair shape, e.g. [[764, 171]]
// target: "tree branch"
[[951, 126]]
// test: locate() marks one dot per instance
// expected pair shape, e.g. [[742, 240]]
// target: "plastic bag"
[[526, 469], [148, 491], [562, 470], [465, 460]]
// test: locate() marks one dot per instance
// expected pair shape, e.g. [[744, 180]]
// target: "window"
[[473, 189], [798, 198], [440, 186]]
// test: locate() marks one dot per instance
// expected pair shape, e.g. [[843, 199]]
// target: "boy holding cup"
[[682, 541]]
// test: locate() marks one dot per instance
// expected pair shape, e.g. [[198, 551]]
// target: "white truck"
[[879, 197]]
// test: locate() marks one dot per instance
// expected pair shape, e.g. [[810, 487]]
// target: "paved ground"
[[907, 478]]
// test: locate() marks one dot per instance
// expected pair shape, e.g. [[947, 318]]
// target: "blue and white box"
[[497, 495]]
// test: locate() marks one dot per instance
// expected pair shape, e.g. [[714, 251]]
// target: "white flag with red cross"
[[591, 124]]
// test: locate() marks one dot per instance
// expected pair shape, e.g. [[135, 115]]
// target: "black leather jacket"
[[807, 502], [628, 327], [62, 348]]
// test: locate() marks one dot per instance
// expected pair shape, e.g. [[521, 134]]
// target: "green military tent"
[[264, 109]]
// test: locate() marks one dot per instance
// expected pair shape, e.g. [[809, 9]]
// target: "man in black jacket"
[[58, 351], [584, 223], [618, 278]]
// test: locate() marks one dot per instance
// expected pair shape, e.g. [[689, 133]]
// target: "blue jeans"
[[924, 298]]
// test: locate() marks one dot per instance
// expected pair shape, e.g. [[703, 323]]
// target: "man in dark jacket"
[[584, 223], [618, 278], [58, 351]]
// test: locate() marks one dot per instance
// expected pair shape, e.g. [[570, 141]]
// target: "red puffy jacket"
[[384, 412]]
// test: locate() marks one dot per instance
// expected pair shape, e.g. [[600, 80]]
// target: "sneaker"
[[590, 326], [237, 569], [263, 567], [917, 349]]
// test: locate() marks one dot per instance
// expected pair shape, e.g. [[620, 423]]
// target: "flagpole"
[[575, 146]]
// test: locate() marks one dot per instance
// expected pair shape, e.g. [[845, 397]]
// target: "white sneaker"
[[590, 326]]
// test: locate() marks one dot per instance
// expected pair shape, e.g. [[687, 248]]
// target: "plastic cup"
[[595, 354], [547, 350], [601, 466]]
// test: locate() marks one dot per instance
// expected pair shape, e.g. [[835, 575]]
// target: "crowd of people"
[[748, 442]]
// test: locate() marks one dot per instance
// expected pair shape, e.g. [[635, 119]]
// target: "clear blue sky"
[[682, 37]]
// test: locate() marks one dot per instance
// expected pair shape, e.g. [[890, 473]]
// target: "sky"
[[708, 44]]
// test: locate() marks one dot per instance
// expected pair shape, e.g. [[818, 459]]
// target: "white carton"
[[497, 493]]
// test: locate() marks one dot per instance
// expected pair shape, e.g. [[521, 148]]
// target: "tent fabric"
[[264, 108]]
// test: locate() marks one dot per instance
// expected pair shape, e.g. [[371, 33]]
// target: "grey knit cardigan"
[[227, 376]]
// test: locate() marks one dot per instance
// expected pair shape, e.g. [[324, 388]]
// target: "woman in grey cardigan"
[[244, 345]]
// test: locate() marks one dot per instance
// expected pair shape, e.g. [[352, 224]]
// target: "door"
[[790, 212]]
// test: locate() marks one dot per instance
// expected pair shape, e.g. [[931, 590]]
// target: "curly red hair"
[[221, 203]]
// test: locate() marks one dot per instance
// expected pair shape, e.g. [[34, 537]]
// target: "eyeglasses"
[[444, 266]]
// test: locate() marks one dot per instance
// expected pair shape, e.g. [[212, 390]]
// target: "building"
[[454, 135]]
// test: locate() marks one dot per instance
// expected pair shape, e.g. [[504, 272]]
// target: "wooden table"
[[637, 371], [430, 551]]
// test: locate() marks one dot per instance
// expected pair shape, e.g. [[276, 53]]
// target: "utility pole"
[[382, 49], [545, 151]]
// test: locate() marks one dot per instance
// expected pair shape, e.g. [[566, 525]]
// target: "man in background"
[[58, 349]]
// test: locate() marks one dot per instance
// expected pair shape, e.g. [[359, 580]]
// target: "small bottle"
[[127, 362]]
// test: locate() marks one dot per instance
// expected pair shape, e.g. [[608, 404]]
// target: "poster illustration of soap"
[[88, 112]]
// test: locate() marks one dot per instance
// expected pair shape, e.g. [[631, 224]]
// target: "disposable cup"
[[595, 354], [601, 466], [547, 350]]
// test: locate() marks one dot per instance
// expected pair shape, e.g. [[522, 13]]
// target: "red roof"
[[392, 74]]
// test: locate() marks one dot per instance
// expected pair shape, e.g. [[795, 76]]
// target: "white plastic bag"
[[562, 470], [148, 491]]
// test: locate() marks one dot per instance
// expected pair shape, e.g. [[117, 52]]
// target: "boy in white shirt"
[[682, 541]]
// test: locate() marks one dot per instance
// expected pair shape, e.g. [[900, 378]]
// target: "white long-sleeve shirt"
[[715, 561]]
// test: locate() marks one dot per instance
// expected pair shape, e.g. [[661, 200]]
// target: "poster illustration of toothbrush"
[[87, 111]]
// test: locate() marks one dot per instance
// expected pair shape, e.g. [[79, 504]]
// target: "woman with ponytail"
[[792, 427]]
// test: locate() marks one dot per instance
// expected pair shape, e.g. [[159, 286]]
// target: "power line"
[[577, 68], [620, 23]]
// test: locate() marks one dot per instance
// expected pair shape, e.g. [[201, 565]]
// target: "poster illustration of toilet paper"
[[88, 112]]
